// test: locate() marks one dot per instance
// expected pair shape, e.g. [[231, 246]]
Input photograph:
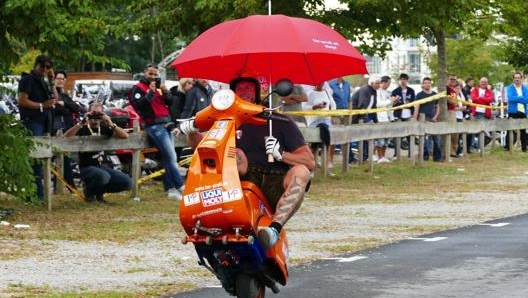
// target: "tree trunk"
[[439, 34], [442, 69]]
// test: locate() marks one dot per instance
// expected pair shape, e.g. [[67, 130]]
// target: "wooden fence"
[[49, 147]]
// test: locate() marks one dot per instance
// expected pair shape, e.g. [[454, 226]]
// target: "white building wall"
[[408, 56]]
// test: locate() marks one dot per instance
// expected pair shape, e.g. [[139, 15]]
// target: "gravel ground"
[[97, 266]]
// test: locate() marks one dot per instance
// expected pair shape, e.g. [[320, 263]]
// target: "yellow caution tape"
[[158, 173], [70, 187], [347, 112]]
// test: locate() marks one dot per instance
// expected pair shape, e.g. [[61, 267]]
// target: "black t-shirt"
[[37, 91], [252, 141], [93, 158], [428, 108]]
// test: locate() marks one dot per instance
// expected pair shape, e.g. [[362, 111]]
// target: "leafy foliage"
[[476, 58], [16, 174]]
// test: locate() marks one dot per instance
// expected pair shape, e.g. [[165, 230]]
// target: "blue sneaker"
[[268, 237]]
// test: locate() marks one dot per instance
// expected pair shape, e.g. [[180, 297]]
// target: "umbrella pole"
[[270, 105]]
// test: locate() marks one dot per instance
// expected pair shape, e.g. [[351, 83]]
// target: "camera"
[[158, 82], [96, 116]]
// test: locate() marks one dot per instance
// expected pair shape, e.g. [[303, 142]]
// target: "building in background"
[[408, 56]]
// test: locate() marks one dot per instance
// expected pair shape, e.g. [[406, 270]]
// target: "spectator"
[[482, 96], [341, 92], [320, 99], [365, 99], [403, 94], [470, 83], [99, 178], [517, 95], [294, 102], [197, 98], [452, 104], [36, 100], [151, 100], [431, 111], [179, 93], [63, 119], [383, 101], [459, 112]]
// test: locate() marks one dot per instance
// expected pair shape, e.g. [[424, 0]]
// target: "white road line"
[[346, 260], [497, 225], [433, 239]]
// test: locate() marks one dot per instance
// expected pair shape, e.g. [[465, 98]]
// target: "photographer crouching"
[[97, 177]]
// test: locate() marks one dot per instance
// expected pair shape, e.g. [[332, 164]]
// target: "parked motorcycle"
[[220, 213]]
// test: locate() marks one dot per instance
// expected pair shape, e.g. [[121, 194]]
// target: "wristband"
[[41, 108]]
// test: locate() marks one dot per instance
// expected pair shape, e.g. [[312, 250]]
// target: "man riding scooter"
[[283, 181]]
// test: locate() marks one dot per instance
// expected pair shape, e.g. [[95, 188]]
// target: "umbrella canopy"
[[272, 47]]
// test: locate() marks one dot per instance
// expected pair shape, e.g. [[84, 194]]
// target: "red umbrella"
[[273, 47]]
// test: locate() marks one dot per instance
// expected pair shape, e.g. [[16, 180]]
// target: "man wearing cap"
[[37, 98]]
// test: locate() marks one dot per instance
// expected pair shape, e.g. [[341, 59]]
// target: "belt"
[[266, 171], [157, 121]]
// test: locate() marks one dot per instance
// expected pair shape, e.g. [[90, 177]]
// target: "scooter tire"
[[249, 286]]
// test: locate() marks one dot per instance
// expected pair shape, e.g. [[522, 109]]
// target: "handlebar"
[[269, 115]]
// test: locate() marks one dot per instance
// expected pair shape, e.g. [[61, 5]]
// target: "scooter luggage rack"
[[216, 234]]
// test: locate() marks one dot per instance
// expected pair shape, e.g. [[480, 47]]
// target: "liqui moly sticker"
[[212, 197]]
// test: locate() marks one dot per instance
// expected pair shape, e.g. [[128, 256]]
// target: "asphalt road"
[[489, 260]]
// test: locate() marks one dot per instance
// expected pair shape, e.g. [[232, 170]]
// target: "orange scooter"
[[220, 213]]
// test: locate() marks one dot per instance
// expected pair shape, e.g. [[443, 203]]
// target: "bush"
[[16, 173]]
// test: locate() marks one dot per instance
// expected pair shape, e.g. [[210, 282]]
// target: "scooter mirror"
[[284, 87]]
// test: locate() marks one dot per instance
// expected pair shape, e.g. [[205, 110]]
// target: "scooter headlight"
[[223, 99]]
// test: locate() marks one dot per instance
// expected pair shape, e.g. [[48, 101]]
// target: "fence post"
[[135, 168], [370, 155], [46, 177], [345, 151], [421, 140], [482, 145], [324, 159]]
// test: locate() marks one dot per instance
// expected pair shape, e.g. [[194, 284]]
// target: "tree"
[[72, 32], [476, 58], [515, 30], [377, 21]]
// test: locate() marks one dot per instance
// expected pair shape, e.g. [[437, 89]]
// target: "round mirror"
[[284, 87], [223, 99]]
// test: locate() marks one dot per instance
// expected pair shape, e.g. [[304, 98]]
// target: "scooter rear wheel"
[[249, 286]]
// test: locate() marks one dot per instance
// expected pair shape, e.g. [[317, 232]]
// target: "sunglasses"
[[47, 66]]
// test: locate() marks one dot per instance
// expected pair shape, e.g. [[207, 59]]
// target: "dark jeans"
[[103, 179], [432, 147], [37, 129], [522, 131]]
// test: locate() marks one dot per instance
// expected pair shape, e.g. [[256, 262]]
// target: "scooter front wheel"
[[249, 286]]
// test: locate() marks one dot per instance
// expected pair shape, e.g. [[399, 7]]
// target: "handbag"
[[58, 123]]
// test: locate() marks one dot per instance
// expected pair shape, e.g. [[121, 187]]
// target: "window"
[[414, 42], [414, 62], [373, 64]]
